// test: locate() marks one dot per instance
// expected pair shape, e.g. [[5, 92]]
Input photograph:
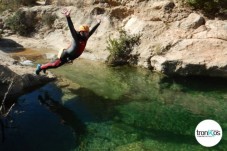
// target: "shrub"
[[48, 19], [209, 6], [120, 48], [22, 23], [15, 4]]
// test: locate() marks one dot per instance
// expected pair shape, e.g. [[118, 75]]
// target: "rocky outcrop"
[[20, 83], [175, 40], [186, 46], [202, 53], [16, 80], [193, 21]]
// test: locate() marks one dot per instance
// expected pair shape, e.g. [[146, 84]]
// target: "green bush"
[[120, 48], [15, 4], [22, 23], [48, 19], [209, 6]]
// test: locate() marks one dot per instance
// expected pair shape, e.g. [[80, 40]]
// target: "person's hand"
[[66, 12]]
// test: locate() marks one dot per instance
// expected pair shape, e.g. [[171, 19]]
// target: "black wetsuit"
[[74, 50]]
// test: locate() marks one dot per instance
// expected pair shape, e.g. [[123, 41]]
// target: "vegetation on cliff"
[[15, 4], [22, 23], [121, 47], [209, 6], [26, 22]]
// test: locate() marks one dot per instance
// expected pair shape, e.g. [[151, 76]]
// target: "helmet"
[[84, 28]]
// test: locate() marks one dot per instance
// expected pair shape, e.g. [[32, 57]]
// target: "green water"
[[125, 109]]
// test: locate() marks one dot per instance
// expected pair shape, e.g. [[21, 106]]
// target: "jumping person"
[[75, 49]]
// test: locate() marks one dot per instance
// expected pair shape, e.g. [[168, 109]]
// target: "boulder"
[[193, 21], [165, 5], [194, 57], [14, 85]]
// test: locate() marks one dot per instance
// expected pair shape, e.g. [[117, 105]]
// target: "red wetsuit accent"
[[81, 48], [54, 64], [59, 62]]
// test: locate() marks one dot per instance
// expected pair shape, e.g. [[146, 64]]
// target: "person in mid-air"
[[75, 49]]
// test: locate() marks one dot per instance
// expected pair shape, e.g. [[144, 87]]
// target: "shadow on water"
[[149, 120], [31, 127], [197, 83], [67, 116], [2, 130], [173, 122], [169, 124], [8, 45], [100, 108]]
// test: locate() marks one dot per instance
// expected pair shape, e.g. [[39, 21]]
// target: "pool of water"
[[95, 107]]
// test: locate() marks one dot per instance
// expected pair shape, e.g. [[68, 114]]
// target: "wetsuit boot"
[[38, 69]]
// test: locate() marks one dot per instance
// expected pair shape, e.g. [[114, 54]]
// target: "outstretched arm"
[[94, 28], [70, 23]]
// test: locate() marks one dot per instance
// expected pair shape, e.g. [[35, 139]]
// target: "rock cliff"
[[175, 39]]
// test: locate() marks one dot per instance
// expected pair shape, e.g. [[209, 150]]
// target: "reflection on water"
[[102, 108]]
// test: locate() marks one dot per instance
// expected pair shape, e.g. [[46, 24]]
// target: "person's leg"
[[54, 64]]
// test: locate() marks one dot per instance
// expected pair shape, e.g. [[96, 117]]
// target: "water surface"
[[99, 108]]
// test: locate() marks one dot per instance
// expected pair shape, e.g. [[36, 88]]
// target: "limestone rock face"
[[194, 57], [175, 40]]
